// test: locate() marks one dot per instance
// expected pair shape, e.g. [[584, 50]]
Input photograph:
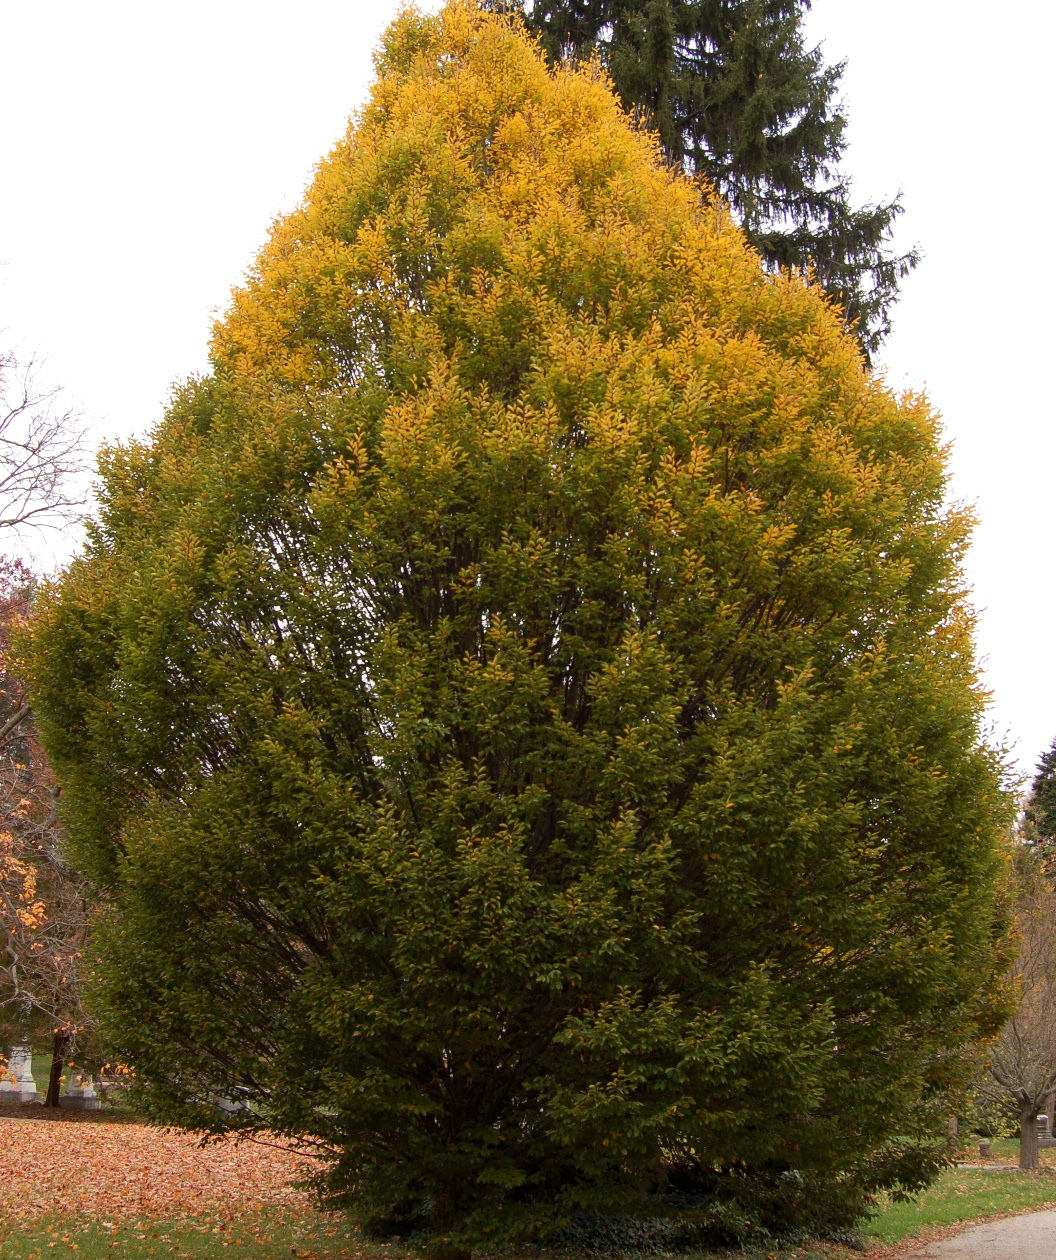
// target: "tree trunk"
[[1051, 1111], [58, 1057], [441, 1246], [1028, 1132]]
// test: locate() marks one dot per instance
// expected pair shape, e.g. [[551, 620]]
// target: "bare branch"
[[1023, 1062], [42, 452], [16, 719], [44, 914]]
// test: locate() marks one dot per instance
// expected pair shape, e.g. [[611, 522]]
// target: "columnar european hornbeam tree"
[[519, 706]]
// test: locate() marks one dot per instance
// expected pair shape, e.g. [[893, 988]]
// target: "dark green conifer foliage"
[[736, 96], [519, 706], [1041, 806]]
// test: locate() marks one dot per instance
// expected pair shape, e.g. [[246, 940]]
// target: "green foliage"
[[736, 96], [519, 708], [990, 1115], [1040, 814]]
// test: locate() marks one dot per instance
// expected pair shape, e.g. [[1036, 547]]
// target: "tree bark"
[[14, 720], [1028, 1132], [58, 1056]]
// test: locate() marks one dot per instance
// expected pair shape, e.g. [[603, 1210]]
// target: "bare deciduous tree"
[[41, 452], [43, 914], [1023, 1064]]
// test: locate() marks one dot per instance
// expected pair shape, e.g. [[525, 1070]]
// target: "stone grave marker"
[[17, 1083], [80, 1092]]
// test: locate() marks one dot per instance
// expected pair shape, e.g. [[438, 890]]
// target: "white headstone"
[[17, 1083], [80, 1092]]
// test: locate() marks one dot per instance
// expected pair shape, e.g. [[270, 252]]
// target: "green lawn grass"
[[1006, 1151], [260, 1237], [963, 1194]]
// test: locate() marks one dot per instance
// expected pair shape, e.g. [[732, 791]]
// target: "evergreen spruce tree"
[[1041, 804], [518, 709], [736, 96]]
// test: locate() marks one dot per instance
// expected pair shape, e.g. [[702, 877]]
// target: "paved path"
[[1030, 1237]]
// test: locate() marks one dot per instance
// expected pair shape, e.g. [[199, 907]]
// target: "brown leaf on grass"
[[118, 1171]]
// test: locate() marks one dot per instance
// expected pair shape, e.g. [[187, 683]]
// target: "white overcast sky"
[[146, 148]]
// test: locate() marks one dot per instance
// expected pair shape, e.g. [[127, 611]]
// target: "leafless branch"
[[1023, 1062], [16, 719], [44, 915], [42, 452]]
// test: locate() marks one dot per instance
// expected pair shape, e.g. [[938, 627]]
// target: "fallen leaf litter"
[[114, 1172]]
